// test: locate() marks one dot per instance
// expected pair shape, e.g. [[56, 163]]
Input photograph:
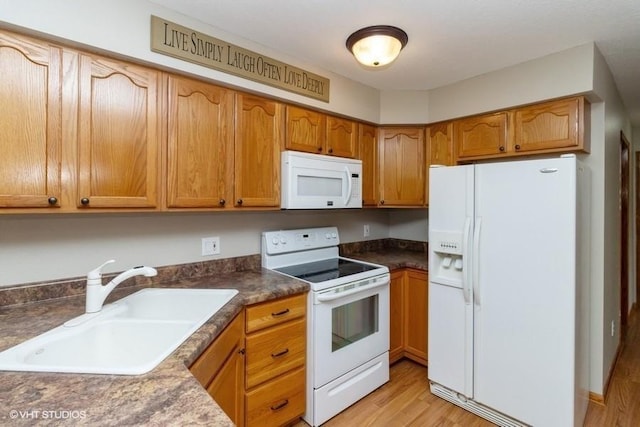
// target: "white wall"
[[404, 107], [409, 224], [49, 247], [561, 74], [615, 120], [123, 27]]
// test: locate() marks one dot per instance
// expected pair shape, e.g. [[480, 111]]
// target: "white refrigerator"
[[509, 290]]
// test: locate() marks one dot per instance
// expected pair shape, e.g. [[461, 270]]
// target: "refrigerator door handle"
[[476, 263], [466, 257]]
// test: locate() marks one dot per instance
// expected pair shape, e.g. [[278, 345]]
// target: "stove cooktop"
[[322, 271]]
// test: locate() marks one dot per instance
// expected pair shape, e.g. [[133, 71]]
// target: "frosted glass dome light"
[[378, 45]]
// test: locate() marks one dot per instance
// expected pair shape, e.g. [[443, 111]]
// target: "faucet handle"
[[94, 277]]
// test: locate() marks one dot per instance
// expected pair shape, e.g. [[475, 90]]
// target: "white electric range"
[[348, 317]]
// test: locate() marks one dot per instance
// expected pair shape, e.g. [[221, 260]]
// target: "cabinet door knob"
[[84, 201], [517, 146], [52, 200], [222, 202], [382, 202], [501, 148], [330, 150], [280, 405], [239, 202], [319, 149]]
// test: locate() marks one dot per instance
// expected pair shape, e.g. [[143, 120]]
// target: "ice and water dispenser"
[[447, 261]]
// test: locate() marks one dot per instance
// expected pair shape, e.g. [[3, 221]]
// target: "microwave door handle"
[[349, 185]]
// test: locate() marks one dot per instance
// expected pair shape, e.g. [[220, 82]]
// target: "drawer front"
[[277, 402], [275, 312], [274, 351], [212, 359]]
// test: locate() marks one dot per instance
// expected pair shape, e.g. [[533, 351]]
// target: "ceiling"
[[449, 40]]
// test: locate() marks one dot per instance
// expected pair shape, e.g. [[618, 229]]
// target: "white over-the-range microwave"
[[316, 181]]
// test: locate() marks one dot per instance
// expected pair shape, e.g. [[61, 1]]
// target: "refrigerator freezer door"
[[525, 293], [450, 298], [450, 339]]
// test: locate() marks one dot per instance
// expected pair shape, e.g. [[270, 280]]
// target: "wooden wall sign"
[[184, 43]]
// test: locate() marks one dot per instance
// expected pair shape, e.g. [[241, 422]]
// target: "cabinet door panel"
[[341, 137], [548, 126], [402, 167], [274, 351], [200, 144], [367, 152], [277, 402], [258, 143], [119, 138], [396, 314], [440, 144], [416, 303], [30, 123], [440, 148], [305, 130], [482, 135]]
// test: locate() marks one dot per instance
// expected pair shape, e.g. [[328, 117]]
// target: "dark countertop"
[[168, 395], [395, 258]]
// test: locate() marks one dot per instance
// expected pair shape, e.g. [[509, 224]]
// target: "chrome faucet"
[[97, 293]]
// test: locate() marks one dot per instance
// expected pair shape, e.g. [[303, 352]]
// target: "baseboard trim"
[[601, 399], [596, 398]]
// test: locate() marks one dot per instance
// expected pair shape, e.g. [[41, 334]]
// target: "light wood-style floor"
[[406, 401]]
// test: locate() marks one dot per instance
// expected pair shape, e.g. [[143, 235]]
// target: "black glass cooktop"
[[321, 271]]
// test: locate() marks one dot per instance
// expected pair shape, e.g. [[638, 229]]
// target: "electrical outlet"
[[210, 246], [367, 230]]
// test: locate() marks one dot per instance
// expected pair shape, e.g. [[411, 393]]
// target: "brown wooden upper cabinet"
[[30, 123], [258, 143], [484, 135], [119, 138], [551, 126], [342, 137], [199, 144], [440, 148], [314, 132], [548, 127], [401, 166], [367, 152], [306, 130]]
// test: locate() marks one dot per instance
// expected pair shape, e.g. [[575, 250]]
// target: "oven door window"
[[354, 321]]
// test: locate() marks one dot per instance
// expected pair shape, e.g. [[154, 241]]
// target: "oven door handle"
[[334, 296]]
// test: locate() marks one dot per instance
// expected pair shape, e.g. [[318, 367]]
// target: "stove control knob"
[[327, 236], [283, 240], [275, 241]]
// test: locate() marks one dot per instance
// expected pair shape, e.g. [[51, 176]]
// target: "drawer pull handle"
[[280, 313], [281, 353], [280, 405]]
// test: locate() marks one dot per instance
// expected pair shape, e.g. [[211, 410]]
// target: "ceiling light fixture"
[[378, 45]]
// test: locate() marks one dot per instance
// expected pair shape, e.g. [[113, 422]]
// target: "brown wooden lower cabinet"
[[220, 369], [279, 401], [276, 361], [255, 369], [408, 312]]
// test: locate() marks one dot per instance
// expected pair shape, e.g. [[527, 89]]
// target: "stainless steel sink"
[[130, 336]]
